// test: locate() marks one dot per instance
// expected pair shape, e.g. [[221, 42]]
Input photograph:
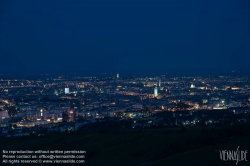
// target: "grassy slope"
[[149, 147], [205, 156]]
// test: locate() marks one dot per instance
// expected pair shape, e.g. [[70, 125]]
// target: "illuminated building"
[[66, 90], [81, 85], [235, 88], [155, 92], [3, 115], [192, 86], [72, 115], [41, 112], [75, 106], [204, 101]]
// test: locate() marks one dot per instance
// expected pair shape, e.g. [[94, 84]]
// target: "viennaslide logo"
[[234, 155]]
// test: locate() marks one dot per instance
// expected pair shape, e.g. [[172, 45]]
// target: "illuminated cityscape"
[[66, 101], [125, 83]]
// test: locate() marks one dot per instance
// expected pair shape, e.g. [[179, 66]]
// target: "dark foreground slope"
[[176, 146]]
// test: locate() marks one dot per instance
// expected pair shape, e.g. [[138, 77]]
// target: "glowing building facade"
[[155, 92]]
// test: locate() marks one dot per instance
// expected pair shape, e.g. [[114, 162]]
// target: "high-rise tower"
[[155, 91]]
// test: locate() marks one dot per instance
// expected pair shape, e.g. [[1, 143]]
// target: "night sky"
[[125, 36]]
